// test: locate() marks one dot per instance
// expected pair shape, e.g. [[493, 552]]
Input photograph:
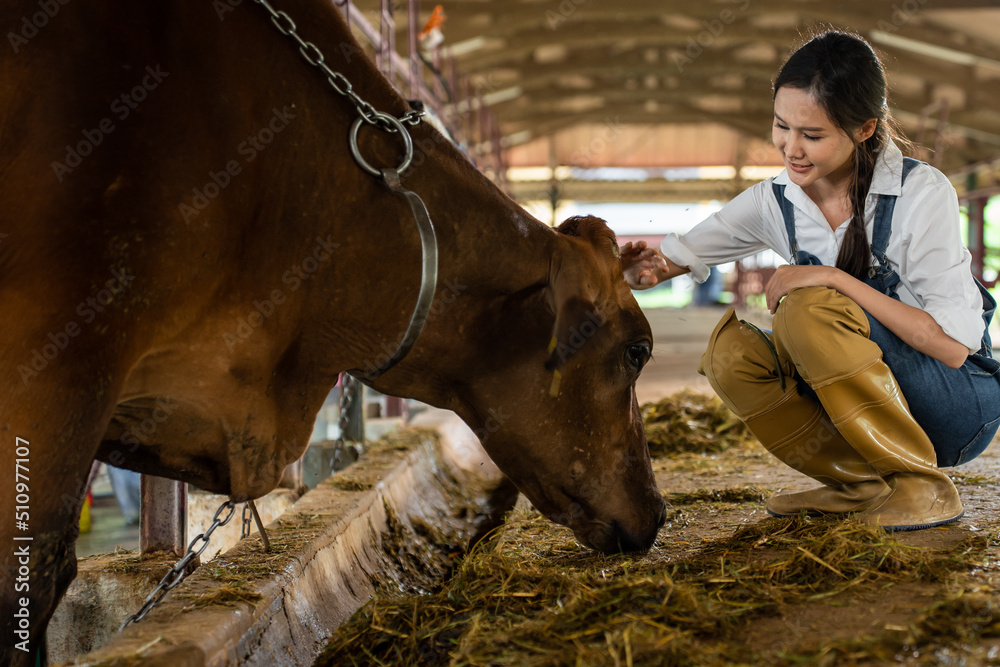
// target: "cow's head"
[[558, 412]]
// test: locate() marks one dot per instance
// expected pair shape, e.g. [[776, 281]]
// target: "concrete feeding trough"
[[394, 520]]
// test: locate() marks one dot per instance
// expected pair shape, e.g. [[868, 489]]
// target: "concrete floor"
[[679, 339], [108, 529]]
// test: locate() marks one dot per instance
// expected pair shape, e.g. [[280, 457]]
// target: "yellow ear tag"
[[552, 344], [554, 389]]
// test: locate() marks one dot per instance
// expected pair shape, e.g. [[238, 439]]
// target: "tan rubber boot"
[[746, 372], [872, 414], [816, 448], [826, 335]]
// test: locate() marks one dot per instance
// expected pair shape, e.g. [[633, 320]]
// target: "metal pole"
[[454, 114], [413, 6], [163, 521], [291, 477], [553, 181], [470, 119], [940, 145], [260, 527], [395, 407], [439, 92], [385, 46], [977, 234], [346, 4]]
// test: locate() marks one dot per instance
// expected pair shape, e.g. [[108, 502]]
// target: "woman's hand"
[[788, 277], [643, 266]]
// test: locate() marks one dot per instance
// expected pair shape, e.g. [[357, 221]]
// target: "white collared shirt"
[[925, 247]]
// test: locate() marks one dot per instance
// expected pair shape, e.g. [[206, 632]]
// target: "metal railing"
[[433, 79]]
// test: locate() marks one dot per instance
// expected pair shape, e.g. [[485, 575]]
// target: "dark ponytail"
[[844, 75]]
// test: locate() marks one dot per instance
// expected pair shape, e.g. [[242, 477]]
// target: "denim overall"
[[959, 409]]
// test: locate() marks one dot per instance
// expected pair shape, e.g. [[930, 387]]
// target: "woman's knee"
[[741, 367], [808, 313], [823, 332]]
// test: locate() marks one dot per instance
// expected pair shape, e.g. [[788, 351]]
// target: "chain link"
[[247, 526], [312, 55], [178, 572], [346, 395]]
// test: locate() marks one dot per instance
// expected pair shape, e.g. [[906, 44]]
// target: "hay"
[[245, 568], [532, 596], [692, 422], [403, 440], [225, 595], [951, 631], [739, 495], [350, 483], [970, 479]]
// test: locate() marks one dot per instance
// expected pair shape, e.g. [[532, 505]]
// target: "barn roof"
[[653, 84]]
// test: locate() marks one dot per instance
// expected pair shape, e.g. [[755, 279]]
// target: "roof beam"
[[541, 124], [632, 33], [470, 19], [650, 190]]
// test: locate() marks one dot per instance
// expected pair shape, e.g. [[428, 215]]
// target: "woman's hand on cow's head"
[[643, 266]]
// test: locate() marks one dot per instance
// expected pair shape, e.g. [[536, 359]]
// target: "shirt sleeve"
[[735, 232], [937, 267]]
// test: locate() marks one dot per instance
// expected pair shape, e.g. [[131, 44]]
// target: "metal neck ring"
[[395, 125]]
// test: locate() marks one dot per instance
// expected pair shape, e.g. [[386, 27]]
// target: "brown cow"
[[189, 256]]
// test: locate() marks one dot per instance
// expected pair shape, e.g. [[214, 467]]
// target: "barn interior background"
[[650, 115]]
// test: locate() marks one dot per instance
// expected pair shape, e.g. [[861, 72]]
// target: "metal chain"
[[247, 526], [178, 572], [286, 26], [346, 395]]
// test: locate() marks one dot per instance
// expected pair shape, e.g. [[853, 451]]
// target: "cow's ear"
[[571, 330], [577, 316]]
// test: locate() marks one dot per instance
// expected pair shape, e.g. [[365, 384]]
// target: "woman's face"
[[814, 149]]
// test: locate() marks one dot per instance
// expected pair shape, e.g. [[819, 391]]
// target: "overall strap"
[[788, 213], [800, 257], [880, 274], [882, 228]]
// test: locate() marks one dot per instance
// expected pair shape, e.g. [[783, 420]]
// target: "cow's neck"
[[490, 248]]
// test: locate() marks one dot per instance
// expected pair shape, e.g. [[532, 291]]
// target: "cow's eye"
[[637, 354]]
